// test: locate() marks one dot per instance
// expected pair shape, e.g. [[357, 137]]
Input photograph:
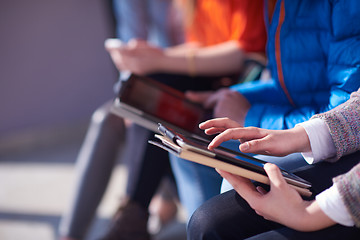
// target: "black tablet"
[[226, 155], [158, 102]]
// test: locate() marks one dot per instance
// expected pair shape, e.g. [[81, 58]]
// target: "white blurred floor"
[[35, 188]]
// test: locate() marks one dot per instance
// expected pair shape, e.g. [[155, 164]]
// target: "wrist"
[[160, 64], [314, 218], [301, 139]]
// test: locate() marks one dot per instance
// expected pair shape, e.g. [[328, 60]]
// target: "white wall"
[[53, 67]]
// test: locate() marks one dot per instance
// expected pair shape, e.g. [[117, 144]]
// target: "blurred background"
[[54, 72]]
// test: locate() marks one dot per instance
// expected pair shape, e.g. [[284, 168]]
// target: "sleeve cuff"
[[322, 146], [333, 206]]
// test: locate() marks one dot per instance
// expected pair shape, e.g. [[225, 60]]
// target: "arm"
[[336, 203], [344, 125], [228, 102], [219, 59], [258, 104], [328, 207], [142, 58], [342, 69]]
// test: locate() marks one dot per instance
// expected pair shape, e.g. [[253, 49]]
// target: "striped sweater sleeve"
[[344, 125], [349, 188]]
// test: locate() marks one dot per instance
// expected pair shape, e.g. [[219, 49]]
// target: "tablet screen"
[[163, 102]]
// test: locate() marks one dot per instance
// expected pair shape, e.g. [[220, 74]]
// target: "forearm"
[[221, 59], [322, 145], [181, 48], [344, 125], [313, 218]]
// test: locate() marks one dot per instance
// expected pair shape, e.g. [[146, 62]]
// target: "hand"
[[282, 203], [258, 140], [137, 56], [225, 102]]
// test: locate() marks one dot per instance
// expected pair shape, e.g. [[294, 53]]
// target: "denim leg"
[[94, 166], [160, 29], [132, 19], [196, 183], [144, 19]]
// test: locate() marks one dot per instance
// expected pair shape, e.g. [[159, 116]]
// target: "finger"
[[236, 134], [117, 53], [262, 145], [141, 43], [261, 190], [214, 98], [199, 97], [124, 51], [243, 186], [228, 134], [259, 213], [116, 58], [134, 43], [219, 123], [211, 131]]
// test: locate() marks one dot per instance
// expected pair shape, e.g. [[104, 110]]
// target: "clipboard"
[[195, 150]]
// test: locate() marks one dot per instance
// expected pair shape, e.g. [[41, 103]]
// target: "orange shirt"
[[217, 21]]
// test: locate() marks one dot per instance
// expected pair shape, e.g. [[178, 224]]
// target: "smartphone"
[[113, 43]]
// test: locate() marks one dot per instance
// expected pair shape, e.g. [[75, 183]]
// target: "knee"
[[100, 115], [202, 225], [104, 117]]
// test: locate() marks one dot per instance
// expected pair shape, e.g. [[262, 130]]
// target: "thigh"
[[143, 159], [321, 174], [332, 233], [227, 216], [160, 32], [196, 183], [132, 19]]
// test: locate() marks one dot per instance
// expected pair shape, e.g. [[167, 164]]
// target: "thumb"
[[137, 43], [275, 176]]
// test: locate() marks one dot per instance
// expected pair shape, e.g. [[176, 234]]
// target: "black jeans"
[[228, 216]]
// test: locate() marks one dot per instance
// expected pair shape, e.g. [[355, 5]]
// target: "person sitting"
[[148, 164], [106, 132], [220, 36], [192, 65], [281, 213], [314, 66]]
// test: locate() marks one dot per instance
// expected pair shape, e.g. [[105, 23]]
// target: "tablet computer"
[[196, 150], [148, 102]]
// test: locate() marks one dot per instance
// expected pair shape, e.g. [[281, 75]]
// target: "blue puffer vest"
[[314, 58]]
